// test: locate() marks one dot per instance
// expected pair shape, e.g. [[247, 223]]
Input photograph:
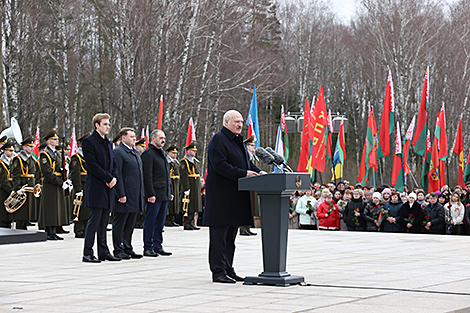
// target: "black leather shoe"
[[162, 252], [58, 238], [188, 228], [122, 255], [195, 227], [252, 233], [168, 224], [109, 257], [135, 255], [90, 259], [51, 237], [175, 224], [60, 230], [244, 233], [236, 277], [79, 236], [150, 253], [224, 279]]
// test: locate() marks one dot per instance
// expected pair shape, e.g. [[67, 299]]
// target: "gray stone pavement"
[[346, 272]]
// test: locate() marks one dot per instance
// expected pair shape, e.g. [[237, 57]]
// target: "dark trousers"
[[123, 228], [188, 220], [96, 225], [79, 227], [154, 220], [222, 249]]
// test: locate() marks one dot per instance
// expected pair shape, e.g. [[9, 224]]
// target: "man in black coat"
[[435, 213], [99, 193], [158, 193], [129, 194], [226, 207]]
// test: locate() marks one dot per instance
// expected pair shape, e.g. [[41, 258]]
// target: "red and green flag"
[[284, 139], [434, 174], [305, 142], [372, 141], [37, 143], [419, 139], [458, 149], [362, 167], [426, 164], [398, 177], [406, 146], [466, 174], [388, 120]]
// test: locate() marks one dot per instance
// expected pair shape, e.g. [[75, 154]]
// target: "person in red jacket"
[[328, 214]]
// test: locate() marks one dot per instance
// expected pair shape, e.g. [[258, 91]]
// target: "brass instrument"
[[16, 200], [77, 204], [186, 203]]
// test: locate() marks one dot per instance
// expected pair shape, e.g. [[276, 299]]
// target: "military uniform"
[[190, 182], [52, 204], [23, 171], [175, 204], [254, 199], [78, 172], [5, 185]]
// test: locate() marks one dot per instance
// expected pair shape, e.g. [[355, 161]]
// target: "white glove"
[[20, 192], [79, 194], [69, 182], [187, 192], [65, 185]]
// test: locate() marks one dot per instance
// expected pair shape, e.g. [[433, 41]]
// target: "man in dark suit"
[[129, 193], [226, 207], [158, 192], [99, 193]]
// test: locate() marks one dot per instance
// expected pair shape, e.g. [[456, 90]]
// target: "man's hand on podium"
[[251, 174]]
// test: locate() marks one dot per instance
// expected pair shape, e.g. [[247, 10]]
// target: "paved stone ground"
[[345, 272]]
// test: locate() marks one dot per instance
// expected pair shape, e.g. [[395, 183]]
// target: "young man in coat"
[[129, 194], [158, 193], [99, 193], [226, 207]]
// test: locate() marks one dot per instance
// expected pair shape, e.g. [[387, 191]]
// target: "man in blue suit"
[[129, 194], [99, 193]]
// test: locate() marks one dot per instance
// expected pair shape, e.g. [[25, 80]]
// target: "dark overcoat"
[[156, 170], [101, 168], [130, 180], [417, 212], [227, 161], [436, 213], [22, 173]]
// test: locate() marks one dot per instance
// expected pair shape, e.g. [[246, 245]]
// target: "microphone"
[[278, 159], [266, 157]]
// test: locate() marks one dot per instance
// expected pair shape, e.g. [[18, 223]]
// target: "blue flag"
[[253, 119]]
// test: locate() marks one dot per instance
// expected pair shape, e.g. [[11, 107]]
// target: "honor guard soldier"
[[23, 172], [68, 199], [3, 141], [174, 206], [140, 145], [78, 172], [191, 186], [5, 182], [117, 139], [52, 204]]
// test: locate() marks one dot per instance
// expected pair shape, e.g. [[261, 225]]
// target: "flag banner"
[[442, 136], [147, 137], [191, 136], [305, 141], [279, 148], [363, 169], [427, 163], [253, 118], [466, 174], [458, 149], [398, 177], [319, 122], [329, 136], [342, 143], [284, 137], [388, 120], [73, 144], [160, 114], [406, 146], [37, 143], [434, 167], [336, 166], [419, 139], [372, 141]]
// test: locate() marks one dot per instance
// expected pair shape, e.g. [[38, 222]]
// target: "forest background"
[[65, 60]]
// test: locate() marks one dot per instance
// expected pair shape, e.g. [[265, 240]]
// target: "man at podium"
[[226, 207]]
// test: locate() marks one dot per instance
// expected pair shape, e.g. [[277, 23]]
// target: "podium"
[[274, 190]]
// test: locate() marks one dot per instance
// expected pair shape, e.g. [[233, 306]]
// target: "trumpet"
[[16, 200], [186, 203], [77, 204]]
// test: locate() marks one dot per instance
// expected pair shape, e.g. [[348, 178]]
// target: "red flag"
[[305, 145], [406, 147], [191, 136], [443, 149], [373, 144], [362, 167], [419, 140], [319, 122], [386, 126], [37, 143], [73, 144], [397, 170], [160, 113], [458, 149], [147, 137], [251, 128]]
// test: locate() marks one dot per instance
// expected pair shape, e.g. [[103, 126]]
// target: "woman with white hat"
[[411, 215], [372, 212]]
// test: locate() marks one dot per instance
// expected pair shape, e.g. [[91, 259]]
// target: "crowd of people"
[[361, 208]]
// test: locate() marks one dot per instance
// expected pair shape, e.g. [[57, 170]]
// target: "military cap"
[[42, 146], [250, 140], [172, 148], [117, 137], [191, 146], [28, 141], [141, 142], [52, 134], [3, 140], [84, 136], [9, 145]]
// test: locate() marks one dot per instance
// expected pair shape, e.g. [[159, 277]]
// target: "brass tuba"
[[16, 200], [77, 204], [186, 203]]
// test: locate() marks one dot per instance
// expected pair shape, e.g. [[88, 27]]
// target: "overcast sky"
[[345, 9]]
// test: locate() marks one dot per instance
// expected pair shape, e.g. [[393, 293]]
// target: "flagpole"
[[373, 177], [380, 171], [412, 176]]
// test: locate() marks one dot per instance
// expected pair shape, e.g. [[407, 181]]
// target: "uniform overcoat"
[[228, 160], [78, 173]]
